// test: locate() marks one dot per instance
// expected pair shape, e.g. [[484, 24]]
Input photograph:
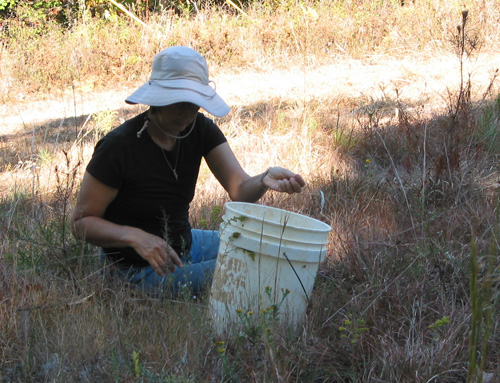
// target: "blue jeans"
[[195, 274]]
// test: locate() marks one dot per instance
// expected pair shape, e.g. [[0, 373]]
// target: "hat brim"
[[163, 93]]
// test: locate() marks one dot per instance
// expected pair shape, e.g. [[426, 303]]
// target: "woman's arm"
[[242, 187], [87, 224]]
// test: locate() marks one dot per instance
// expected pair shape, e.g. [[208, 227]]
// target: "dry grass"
[[411, 193]]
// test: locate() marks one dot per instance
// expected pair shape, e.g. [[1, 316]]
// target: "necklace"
[[180, 137], [173, 168], [147, 120]]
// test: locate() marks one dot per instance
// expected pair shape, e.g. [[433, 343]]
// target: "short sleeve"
[[212, 136], [108, 162]]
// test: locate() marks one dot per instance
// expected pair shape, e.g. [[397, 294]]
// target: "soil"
[[412, 79]]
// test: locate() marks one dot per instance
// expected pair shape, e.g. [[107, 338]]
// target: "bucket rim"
[[275, 250], [230, 204], [315, 238]]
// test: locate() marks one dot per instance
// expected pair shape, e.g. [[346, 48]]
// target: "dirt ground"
[[413, 78]]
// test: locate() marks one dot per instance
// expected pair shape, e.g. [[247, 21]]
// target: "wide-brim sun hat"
[[180, 74]]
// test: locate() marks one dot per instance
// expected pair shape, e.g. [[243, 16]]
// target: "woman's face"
[[175, 118]]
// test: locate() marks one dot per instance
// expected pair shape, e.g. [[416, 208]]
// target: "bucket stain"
[[227, 289]]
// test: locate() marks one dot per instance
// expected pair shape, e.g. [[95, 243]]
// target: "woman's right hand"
[[156, 251]]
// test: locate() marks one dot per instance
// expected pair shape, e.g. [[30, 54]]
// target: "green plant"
[[487, 133], [353, 329], [213, 220], [7, 5], [256, 325], [481, 295], [103, 121], [230, 375], [44, 157], [440, 323]]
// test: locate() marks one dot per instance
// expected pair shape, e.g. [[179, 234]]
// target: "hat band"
[[198, 90]]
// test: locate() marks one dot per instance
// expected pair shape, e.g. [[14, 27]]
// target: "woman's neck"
[[159, 136]]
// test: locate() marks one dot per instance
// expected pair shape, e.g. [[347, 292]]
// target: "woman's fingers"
[[174, 258], [164, 261], [158, 267], [170, 259], [297, 183], [158, 253], [299, 180], [284, 180], [291, 185]]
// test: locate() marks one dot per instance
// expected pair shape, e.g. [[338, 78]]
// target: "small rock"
[[488, 377]]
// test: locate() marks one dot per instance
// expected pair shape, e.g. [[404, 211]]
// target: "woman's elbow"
[[244, 197], [76, 225], [237, 194], [75, 230], [241, 191]]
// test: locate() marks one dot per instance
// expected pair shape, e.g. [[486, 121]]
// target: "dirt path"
[[414, 78]]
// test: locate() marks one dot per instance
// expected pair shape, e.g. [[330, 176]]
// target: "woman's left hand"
[[283, 180]]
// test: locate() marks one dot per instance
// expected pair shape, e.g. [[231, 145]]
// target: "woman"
[[135, 195]]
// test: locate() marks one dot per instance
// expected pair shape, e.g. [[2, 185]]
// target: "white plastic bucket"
[[267, 256]]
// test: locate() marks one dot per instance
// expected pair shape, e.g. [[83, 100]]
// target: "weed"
[[44, 157], [352, 330], [440, 323], [211, 217], [104, 121], [482, 310]]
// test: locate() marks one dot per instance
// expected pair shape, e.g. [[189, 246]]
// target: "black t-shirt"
[[149, 196]]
